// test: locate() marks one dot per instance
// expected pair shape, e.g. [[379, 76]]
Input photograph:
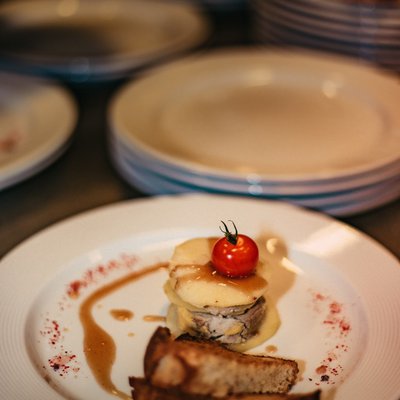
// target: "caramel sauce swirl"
[[98, 346], [121, 315], [154, 318]]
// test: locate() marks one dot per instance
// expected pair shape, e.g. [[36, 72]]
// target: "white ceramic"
[[362, 30], [283, 116], [341, 31], [252, 184], [86, 40], [37, 120], [326, 270], [339, 204]]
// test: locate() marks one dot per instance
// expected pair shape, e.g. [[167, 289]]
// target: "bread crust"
[[143, 390], [204, 367]]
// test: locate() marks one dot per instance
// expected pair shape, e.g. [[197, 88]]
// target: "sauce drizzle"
[[194, 272], [121, 315], [98, 346], [154, 318]]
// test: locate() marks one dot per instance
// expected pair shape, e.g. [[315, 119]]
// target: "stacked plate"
[[317, 131], [366, 30], [37, 121], [218, 5], [96, 40]]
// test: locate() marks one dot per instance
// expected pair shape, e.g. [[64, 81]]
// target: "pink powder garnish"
[[94, 275], [321, 369], [52, 331], [338, 327], [64, 363], [10, 142]]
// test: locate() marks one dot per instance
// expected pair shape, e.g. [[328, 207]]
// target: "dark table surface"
[[84, 178]]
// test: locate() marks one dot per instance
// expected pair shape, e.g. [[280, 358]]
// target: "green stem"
[[230, 237]]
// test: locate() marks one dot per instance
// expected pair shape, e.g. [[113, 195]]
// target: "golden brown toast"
[[204, 367], [143, 390]]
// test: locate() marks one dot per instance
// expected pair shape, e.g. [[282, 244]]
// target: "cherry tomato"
[[234, 255]]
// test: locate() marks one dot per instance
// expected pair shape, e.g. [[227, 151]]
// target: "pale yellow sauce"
[[206, 273]]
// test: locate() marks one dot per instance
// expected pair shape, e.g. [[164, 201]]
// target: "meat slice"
[[230, 328]]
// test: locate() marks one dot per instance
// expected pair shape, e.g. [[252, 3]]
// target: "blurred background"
[[63, 63]]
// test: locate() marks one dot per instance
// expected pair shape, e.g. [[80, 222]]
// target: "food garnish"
[[235, 255]]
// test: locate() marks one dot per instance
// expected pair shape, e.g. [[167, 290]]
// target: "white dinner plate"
[[358, 29], [37, 119], [219, 5], [336, 291], [281, 115], [337, 31], [339, 204], [139, 161], [87, 40]]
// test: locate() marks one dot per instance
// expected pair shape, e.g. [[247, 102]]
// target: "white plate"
[[280, 115], [356, 34], [326, 263], [252, 184], [351, 15], [83, 40], [37, 119], [358, 30], [219, 5], [336, 204]]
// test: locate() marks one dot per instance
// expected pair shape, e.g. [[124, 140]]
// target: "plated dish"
[[319, 263], [37, 120], [83, 40]]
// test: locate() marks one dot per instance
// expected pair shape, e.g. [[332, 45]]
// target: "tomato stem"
[[230, 237]]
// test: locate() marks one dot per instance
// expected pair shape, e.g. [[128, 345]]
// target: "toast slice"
[[204, 367], [143, 390]]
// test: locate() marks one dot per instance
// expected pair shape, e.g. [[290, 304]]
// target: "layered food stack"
[[217, 288]]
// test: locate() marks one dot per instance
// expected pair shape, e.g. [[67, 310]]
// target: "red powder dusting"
[[335, 308], [321, 369], [344, 326], [319, 296], [10, 142], [98, 272], [64, 363], [338, 328], [74, 289], [52, 331]]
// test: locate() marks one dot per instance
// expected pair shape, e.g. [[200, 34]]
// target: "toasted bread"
[[204, 367], [143, 390]]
